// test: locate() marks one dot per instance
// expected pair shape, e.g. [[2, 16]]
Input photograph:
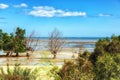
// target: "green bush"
[[106, 46], [107, 67], [106, 59], [102, 64], [81, 69]]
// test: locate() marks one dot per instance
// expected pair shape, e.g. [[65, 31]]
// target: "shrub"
[[107, 67], [18, 73], [81, 69], [106, 46]]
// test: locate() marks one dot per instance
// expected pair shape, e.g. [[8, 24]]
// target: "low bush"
[[18, 73]]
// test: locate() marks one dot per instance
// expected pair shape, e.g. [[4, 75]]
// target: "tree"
[[55, 42], [19, 41], [14, 42], [6, 42], [30, 41], [1, 39]]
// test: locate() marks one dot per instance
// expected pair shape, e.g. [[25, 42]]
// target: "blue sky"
[[78, 18]]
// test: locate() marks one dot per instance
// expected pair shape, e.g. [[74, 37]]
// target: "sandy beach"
[[39, 58]]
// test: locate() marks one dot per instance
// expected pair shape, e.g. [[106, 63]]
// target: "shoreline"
[[38, 58]]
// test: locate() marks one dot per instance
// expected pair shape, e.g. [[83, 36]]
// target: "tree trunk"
[[54, 56], [17, 54], [27, 54], [8, 53], [11, 53]]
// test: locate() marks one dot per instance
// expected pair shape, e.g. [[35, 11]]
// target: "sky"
[[74, 18]]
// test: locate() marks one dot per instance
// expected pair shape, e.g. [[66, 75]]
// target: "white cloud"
[[73, 14], [3, 6], [104, 15], [46, 11], [21, 5]]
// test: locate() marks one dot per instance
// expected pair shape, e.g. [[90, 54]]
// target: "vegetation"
[[106, 46], [102, 64], [19, 41], [55, 42], [106, 59], [0, 39], [79, 70], [18, 73], [13, 42], [107, 67]]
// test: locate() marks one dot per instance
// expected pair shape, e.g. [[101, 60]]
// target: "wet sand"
[[38, 58]]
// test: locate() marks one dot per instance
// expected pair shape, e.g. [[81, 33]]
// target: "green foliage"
[[107, 67], [78, 70], [69, 71], [85, 55], [13, 42], [107, 45], [106, 59], [1, 39], [114, 45], [20, 40], [102, 64], [7, 42], [101, 46], [85, 66]]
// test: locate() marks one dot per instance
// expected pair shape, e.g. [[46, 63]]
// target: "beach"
[[41, 56]]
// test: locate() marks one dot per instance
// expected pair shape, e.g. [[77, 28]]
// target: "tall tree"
[[55, 42], [19, 41]]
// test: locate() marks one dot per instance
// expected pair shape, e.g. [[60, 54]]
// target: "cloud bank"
[[46, 11], [3, 6]]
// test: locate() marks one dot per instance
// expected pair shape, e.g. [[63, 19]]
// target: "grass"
[[25, 72]]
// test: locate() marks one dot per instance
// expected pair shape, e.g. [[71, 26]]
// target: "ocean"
[[88, 43]]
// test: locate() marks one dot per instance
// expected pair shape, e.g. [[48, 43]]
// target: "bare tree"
[[31, 43], [55, 42]]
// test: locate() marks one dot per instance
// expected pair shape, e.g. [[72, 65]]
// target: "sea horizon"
[[71, 37]]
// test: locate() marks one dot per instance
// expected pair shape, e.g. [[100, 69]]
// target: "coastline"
[[41, 54]]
